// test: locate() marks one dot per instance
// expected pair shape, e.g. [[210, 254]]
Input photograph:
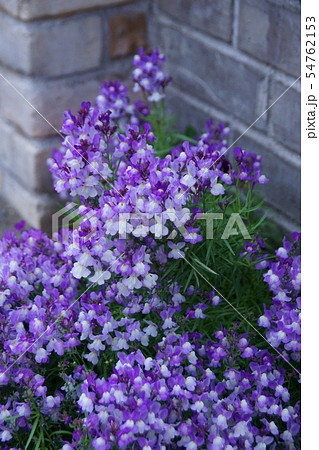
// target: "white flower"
[[41, 355], [85, 328], [122, 344], [5, 436], [218, 443], [135, 334], [159, 230], [285, 416], [151, 330], [140, 231], [119, 396], [155, 97], [176, 251], [188, 180], [86, 259], [199, 313], [100, 277], [4, 414], [282, 252], [99, 443], [24, 410], [191, 445], [240, 429], [263, 321], [198, 406], [217, 189], [86, 403], [96, 345], [108, 327], [129, 423], [190, 383], [50, 401], [262, 179], [87, 191], [132, 282], [273, 428], [108, 257], [148, 363], [244, 405], [287, 436], [164, 370], [168, 323], [226, 178], [150, 280], [80, 271], [3, 296], [92, 357], [192, 358], [222, 421], [273, 278], [103, 416]]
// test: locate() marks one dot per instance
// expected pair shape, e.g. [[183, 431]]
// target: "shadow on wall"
[[231, 60]]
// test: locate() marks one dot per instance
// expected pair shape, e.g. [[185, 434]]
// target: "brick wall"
[[55, 53], [230, 59]]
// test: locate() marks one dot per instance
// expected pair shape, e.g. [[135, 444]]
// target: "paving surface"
[[8, 217]]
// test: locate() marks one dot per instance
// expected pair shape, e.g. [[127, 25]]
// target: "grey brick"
[[26, 158], [213, 77], [271, 33], [50, 98], [283, 189], [213, 17], [35, 208], [284, 123], [8, 216], [186, 114], [51, 48], [15, 43], [11, 6], [35, 9]]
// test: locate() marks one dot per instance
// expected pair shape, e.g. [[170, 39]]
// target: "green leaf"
[[252, 208], [12, 417], [189, 280], [229, 247], [183, 137], [60, 432], [32, 433], [41, 439], [190, 131], [197, 261], [260, 221]]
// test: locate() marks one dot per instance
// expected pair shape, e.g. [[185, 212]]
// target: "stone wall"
[[53, 55], [230, 60]]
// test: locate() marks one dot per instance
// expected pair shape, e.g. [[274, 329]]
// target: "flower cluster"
[[148, 74], [102, 342], [148, 200], [36, 287], [283, 319], [175, 399], [249, 165]]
